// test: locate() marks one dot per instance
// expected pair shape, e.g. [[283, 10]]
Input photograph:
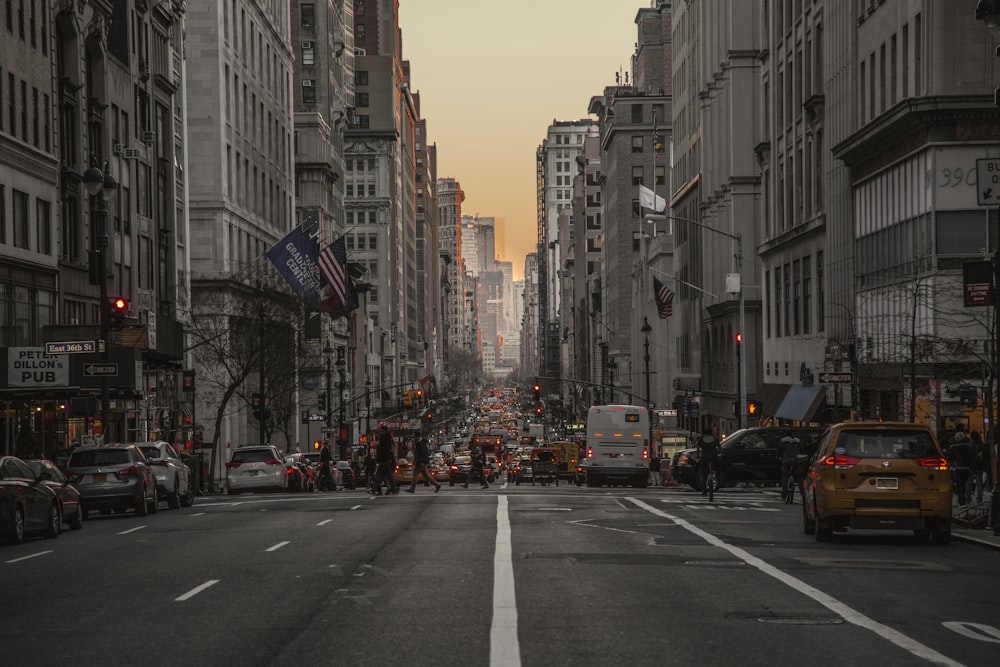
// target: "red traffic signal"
[[119, 309], [753, 407], [739, 338]]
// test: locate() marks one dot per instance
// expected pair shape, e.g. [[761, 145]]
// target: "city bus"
[[618, 445]]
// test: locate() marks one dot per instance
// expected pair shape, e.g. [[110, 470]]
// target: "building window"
[[361, 121], [3, 214], [308, 15], [637, 174], [372, 241], [777, 302], [20, 218], [796, 296], [308, 53], [360, 31], [43, 214], [767, 304], [361, 78], [820, 299], [806, 294], [361, 99], [70, 226], [308, 91], [637, 144], [787, 277]]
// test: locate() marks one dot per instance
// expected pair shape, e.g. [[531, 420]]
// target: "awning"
[[770, 397], [801, 402]]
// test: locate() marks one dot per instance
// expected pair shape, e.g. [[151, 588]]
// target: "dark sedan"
[[749, 456], [69, 497], [26, 504]]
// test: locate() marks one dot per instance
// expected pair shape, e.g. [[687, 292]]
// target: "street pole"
[[342, 430], [100, 184], [327, 351], [368, 408]]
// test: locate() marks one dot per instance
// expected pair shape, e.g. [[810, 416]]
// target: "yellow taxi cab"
[[403, 472], [883, 476]]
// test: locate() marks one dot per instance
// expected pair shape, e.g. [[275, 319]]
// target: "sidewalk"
[[966, 522]]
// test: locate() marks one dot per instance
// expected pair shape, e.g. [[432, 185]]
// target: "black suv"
[[750, 455]]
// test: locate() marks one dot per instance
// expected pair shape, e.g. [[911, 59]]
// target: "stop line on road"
[[722, 504]]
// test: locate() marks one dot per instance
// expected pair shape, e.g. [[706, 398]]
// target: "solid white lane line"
[[131, 530], [18, 560], [197, 589], [197, 514], [356, 507], [324, 522], [277, 546], [505, 651], [836, 606]]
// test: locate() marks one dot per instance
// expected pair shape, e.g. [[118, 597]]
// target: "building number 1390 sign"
[[988, 181]]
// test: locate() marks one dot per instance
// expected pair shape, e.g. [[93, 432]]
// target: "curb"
[[972, 539]]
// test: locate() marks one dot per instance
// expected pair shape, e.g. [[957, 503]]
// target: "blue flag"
[[296, 258]]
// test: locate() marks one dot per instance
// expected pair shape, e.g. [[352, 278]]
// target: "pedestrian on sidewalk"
[[421, 465], [654, 470], [977, 472], [960, 461], [384, 462]]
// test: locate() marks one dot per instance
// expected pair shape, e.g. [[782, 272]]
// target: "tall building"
[[92, 92], [716, 186], [240, 102], [450, 198]]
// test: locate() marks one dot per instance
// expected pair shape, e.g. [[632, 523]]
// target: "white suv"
[[255, 468], [173, 477]]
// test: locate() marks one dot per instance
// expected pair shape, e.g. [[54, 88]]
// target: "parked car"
[[173, 476], [750, 455], [295, 477], [69, 497], [346, 474], [458, 471], [112, 478], [255, 468], [870, 475], [317, 465], [27, 505]]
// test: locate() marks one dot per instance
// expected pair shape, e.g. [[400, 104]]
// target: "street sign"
[[313, 417], [835, 378], [102, 370], [988, 181], [71, 347]]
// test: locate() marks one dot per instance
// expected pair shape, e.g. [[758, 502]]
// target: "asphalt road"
[[507, 576]]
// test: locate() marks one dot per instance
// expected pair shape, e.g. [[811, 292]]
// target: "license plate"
[[615, 456], [254, 472], [97, 478], [886, 483]]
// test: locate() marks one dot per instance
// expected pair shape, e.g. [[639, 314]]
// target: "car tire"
[[174, 497], [76, 521], [187, 500], [55, 522], [142, 505], [16, 533], [943, 536], [808, 527]]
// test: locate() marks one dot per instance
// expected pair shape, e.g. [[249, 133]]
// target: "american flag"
[[664, 299], [333, 265]]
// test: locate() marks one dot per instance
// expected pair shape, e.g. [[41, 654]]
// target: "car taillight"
[[273, 462], [839, 462], [933, 463], [128, 472], [291, 470], [590, 452], [234, 464], [454, 467], [645, 454]]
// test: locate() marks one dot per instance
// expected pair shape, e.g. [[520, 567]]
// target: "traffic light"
[[428, 417], [408, 399], [739, 338], [753, 407], [539, 409], [420, 395], [118, 311], [316, 444], [537, 388]]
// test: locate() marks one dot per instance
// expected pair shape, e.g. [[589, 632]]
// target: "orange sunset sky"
[[492, 76]]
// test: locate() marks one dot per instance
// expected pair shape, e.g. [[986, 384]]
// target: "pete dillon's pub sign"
[[31, 367]]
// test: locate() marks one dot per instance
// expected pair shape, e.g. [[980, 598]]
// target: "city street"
[[506, 576]]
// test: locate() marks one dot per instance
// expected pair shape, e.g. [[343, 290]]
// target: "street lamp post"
[[97, 182], [988, 11], [342, 426], [611, 378], [327, 351], [368, 410], [738, 277], [645, 357]]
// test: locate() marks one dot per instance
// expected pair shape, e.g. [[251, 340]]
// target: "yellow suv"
[[884, 476]]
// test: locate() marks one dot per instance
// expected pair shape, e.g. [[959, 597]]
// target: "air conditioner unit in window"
[[307, 83], [149, 137], [130, 153], [360, 52], [307, 45]]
